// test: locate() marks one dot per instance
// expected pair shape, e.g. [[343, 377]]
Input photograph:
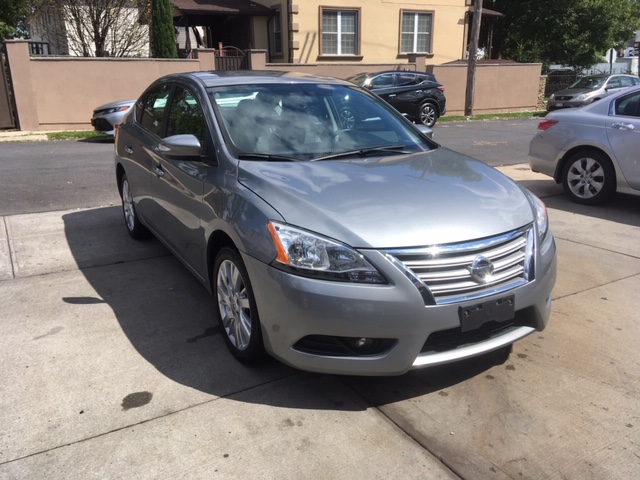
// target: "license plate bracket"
[[497, 310]]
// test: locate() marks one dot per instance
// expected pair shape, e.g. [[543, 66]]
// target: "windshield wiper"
[[267, 156], [396, 149]]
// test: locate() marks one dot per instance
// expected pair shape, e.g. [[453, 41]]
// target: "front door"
[[178, 184], [623, 132]]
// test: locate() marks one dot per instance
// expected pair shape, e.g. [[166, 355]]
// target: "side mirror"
[[181, 146], [426, 131]]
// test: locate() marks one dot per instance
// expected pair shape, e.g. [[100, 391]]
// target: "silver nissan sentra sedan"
[[363, 248]]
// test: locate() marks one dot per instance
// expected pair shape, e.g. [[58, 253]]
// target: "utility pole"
[[473, 54]]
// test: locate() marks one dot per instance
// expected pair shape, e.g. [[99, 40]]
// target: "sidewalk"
[[21, 136]]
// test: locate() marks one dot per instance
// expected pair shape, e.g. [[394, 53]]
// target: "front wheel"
[[237, 312], [428, 114], [589, 178]]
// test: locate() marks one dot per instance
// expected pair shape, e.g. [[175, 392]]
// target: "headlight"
[[117, 109], [542, 219], [582, 96], [553, 95], [310, 254]]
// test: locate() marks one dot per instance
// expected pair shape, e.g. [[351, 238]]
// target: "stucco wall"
[[499, 87], [61, 93]]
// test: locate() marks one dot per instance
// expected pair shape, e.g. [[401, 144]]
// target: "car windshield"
[[284, 122], [589, 82]]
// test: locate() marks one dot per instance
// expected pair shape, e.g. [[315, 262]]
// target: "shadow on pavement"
[[167, 316], [621, 208]]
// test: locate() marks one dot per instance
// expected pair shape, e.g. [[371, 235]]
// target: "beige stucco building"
[[364, 31]]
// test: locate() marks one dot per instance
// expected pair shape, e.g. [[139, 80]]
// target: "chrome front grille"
[[448, 271]]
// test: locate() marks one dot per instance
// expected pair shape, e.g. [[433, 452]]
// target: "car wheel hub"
[[586, 178], [233, 303], [127, 204]]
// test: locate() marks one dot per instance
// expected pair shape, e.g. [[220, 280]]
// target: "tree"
[[163, 37], [569, 32], [13, 14], [92, 28]]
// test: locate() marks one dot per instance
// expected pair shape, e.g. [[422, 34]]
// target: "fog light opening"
[[363, 343]]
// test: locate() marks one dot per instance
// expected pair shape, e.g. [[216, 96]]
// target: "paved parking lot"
[[112, 367]]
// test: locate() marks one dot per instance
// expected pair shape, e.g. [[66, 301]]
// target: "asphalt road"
[[112, 366], [50, 176]]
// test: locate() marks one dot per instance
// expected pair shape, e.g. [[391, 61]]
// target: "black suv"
[[419, 96]]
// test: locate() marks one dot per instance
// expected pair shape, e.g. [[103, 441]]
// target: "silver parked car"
[[362, 249], [587, 90], [593, 150], [106, 117]]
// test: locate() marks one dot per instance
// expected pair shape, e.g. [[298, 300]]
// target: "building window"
[[275, 31], [339, 32], [415, 36]]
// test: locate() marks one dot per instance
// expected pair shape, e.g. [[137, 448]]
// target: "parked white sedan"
[[594, 150], [106, 118]]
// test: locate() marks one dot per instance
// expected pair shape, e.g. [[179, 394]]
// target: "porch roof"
[[221, 7]]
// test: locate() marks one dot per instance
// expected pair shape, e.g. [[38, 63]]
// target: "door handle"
[[128, 149], [159, 171], [623, 126], [392, 95]]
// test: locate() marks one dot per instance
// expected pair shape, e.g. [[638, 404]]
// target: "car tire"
[[588, 177], [237, 312], [428, 114], [131, 220]]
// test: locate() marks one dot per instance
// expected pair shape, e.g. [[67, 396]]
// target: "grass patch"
[[77, 135], [492, 116]]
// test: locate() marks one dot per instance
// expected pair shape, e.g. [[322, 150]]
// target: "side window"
[[384, 80], [186, 115], [627, 82], [628, 106], [153, 108], [403, 79], [614, 83]]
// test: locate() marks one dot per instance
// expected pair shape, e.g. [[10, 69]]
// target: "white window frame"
[[415, 32], [356, 34], [275, 30]]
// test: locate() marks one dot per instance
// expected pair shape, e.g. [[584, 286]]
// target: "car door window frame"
[[619, 107], [201, 136], [157, 132]]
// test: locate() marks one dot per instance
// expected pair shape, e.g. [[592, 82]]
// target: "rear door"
[[383, 86], [409, 93], [623, 132]]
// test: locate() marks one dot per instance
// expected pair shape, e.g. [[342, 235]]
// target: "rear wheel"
[[428, 114], [134, 227], [237, 312], [589, 178]]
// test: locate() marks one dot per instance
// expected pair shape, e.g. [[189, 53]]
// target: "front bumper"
[[292, 308], [559, 104]]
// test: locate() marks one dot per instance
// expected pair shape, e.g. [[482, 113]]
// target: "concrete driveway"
[[112, 367]]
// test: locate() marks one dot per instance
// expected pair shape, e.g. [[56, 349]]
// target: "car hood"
[[429, 198], [573, 91], [119, 103]]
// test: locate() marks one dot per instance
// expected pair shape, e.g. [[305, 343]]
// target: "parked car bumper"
[[397, 312], [544, 155], [106, 117]]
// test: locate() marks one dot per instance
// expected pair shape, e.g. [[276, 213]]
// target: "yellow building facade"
[[363, 31]]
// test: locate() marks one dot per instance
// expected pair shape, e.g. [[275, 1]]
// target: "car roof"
[[235, 77], [371, 74]]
